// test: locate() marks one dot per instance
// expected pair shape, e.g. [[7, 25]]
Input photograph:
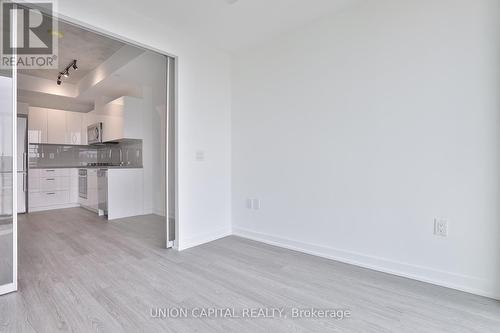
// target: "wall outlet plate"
[[441, 227], [249, 203], [253, 203], [256, 204]]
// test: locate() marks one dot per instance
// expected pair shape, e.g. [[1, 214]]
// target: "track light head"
[[65, 72]]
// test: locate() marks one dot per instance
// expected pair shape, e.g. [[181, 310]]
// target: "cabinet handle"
[[51, 193], [51, 179], [50, 170]]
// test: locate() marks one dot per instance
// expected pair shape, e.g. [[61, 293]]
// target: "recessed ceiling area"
[[89, 48], [58, 102], [107, 69]]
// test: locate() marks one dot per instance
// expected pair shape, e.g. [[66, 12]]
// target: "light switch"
[[256, 204], [200, 155]]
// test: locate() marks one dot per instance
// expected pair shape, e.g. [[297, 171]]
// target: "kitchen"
[[93, 135]]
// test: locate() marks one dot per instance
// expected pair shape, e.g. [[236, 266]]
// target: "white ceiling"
[[235, 25]]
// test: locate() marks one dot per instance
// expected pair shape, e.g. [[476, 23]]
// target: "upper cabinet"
[[74, 128], [37, 125], [122, 118], [112, 128], [56, 126]]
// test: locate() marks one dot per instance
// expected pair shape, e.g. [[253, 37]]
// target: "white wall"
[[360, 129], [203, 112]]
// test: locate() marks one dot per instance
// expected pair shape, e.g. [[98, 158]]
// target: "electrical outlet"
[[441, 227], [249, 203], [253, 203]]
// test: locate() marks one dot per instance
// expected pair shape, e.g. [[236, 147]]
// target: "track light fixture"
[[65, 72]]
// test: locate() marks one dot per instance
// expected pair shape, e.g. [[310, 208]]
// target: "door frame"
[[175, 92]]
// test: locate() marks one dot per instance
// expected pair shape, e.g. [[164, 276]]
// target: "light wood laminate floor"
[[79, 273]]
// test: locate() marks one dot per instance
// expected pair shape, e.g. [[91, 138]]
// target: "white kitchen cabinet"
[[125, 193], [52, 189], [73, 186], [54, 184], [123, 119], [48, 200], [34, 180], [85, 123], [74, 128], [56, 126], [54, 172], [112, 128], [37, 125]]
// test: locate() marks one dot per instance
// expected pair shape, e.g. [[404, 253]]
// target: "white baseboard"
[[6, 231], [8, 288], [203, 238], [41, 209], [464, 283], [159, 212]]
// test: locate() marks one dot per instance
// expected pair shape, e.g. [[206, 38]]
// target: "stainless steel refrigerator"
[[22, 164]]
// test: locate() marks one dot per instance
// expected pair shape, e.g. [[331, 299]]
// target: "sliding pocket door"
[[8, 180], [8, 212]]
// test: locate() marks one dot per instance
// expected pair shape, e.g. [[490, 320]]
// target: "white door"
[[8, 181], [169, 157]]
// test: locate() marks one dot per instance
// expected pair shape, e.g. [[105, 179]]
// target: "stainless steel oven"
[[94, 134], [82, 183]]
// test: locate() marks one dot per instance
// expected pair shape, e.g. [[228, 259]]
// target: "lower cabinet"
[[48, 200], [52, 189], [125, 193]]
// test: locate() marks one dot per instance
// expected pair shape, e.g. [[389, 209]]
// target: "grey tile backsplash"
[[127, 154]]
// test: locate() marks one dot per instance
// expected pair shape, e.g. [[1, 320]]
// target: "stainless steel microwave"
[[94, 134]]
